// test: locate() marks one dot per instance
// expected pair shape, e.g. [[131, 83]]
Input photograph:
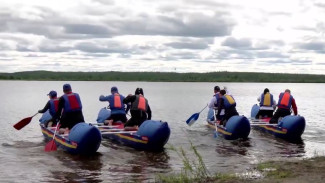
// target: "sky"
[[278, 36]]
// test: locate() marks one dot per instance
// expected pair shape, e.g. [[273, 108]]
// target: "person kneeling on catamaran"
[[118, 112], [52, 106], [214, 104], [267, 105], [140, 109], [286, 101], [69, 110], [228, 103]]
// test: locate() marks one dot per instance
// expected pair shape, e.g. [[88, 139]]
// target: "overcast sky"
[[282, 36]]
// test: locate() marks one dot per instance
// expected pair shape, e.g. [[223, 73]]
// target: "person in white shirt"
[[214, 103]]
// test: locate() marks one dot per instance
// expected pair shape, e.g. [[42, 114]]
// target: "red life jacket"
[[285, 100], [72, 102], [54, 105], [140, 103]]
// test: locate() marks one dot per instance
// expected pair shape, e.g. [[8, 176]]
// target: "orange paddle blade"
[[23, 123], [50, 146]]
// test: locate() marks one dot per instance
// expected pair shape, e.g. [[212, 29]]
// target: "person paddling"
[[267, 104], [69, 110], [286, 101], [52, 106], [116, 105], [214, 103], [140, 109], [228, 103]]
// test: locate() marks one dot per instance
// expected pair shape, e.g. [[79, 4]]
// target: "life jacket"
[[54, 105], [116, 102], [140, 103], [266, 100], [285, 100], [72, 102], [229, 101]]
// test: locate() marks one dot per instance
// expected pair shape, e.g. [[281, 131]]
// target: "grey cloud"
[[270, 54], [188, 25], [301, 62], [54, 48], [181, 45], [86, 29], [313, 46], [190, 44], [245, 43], [278, 61], [320, 5], [109, 47], [52, 25], [237, 43]]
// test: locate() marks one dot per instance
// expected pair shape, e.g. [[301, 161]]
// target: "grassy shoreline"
[[194, 170], [164, 77]]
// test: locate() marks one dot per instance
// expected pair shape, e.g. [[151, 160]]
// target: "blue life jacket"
[[54, 104], [72, 102], [218, 96], [116, 104], [266, 100]]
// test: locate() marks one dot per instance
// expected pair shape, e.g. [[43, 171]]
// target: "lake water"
[[22, 156]]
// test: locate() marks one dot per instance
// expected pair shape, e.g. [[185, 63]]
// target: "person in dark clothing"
[[118, 112], [228, 103], [52, 106], [286, 101], [69, 110], [140, 109], [267, 105]]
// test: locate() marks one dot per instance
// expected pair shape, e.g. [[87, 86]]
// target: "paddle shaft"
[[265, 124], [34, 115], [204, 108], [57, 126], [123, 132]]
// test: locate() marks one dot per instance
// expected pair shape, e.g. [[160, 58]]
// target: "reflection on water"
[[22, 156], [84, 168]]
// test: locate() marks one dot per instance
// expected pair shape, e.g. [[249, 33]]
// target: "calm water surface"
[[22, 157]]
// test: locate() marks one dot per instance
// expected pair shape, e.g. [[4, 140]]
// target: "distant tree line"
[[164, 77]]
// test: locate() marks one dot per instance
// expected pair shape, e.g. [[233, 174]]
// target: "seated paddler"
[[52, 106], [69, 110], [116, 105]]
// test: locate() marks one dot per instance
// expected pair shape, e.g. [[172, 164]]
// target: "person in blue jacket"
[[118, 111], [69, 110], [52, 106], [228, 103]]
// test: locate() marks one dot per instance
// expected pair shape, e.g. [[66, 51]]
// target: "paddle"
[[51, 146], [22, 123], [122, 132], [264, 124], [194, 117]]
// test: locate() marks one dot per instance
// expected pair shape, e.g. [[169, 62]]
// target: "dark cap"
[[138, 91], [114, 89], [52, 93], [217, 88], [66, 87]]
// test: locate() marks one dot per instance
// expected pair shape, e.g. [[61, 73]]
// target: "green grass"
[[273, 170], [193, 170]]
